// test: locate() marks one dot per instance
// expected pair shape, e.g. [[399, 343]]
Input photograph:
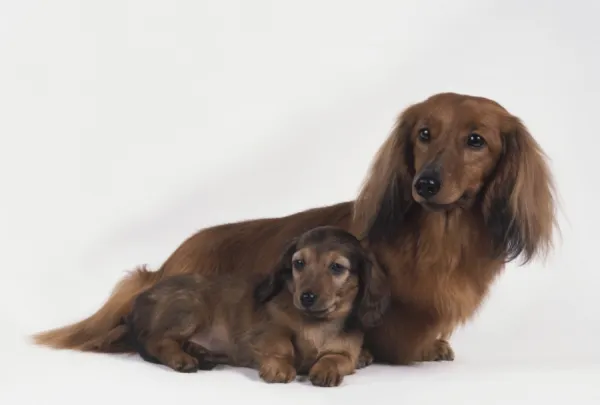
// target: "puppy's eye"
[[424, 135], [337, 268], [475, 141], [298, 264]]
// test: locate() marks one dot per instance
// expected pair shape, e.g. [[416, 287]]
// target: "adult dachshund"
[[458, 189]]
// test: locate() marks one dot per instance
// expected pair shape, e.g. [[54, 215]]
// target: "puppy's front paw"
[[183, 363], [325, 374], [364, 359], [277, 371], [440, 351]]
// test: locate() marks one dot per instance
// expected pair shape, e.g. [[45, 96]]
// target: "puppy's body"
[[217, 315], [458, 189], [307, 316]]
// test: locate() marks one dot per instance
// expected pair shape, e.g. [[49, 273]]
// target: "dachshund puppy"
[[307, 316]]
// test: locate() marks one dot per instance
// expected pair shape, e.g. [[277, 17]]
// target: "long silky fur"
[[439, 265]]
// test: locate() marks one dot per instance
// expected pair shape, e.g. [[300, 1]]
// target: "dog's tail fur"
[[103, 331]]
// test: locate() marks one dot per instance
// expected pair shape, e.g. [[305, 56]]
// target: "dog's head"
[[455, 151], [330, 276]]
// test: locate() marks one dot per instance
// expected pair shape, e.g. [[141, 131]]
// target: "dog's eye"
[[337, 268], [424, 135], [475, 141], [298, 264]]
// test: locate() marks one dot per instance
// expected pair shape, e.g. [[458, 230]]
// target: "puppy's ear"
[[273, 283], [373, 295]]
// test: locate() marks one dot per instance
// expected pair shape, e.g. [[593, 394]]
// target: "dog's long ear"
[[275, 281], [385, 196], [374, 294], [519, 201]]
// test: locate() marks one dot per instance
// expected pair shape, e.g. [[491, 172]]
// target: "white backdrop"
[[128, 125]]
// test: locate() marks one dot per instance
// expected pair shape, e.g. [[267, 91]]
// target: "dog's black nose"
[[307, 299], [427, 186]]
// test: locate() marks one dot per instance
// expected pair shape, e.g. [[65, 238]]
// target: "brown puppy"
[[308, 315], [458, 189]]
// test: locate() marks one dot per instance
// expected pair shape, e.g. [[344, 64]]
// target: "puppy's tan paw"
[[325, 374], [441, 351], [277, 371], [365, 359]]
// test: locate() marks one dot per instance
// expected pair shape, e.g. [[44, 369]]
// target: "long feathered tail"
[[104, 331]]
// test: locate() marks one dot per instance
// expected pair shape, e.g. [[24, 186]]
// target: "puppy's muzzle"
[[308, 299]]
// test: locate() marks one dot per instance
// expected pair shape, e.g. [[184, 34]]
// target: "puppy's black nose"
[[427, 186], [307, 299]]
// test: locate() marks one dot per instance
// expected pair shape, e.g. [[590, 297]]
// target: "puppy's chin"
[[318, 313]]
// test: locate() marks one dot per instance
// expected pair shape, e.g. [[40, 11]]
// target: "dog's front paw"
[[440, 351], [277, 371], [325, 374], [364, 359]]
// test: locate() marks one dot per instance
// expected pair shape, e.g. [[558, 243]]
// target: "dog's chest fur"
[[310, 337], [435, 268], [312, 340]]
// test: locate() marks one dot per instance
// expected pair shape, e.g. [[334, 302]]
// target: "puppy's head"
[[330, 276]]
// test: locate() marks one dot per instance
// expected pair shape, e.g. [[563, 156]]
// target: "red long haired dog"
[[458, 189], [307, 316]]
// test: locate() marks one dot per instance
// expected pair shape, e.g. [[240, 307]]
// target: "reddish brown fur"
[[440, 258], [189, 322]]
